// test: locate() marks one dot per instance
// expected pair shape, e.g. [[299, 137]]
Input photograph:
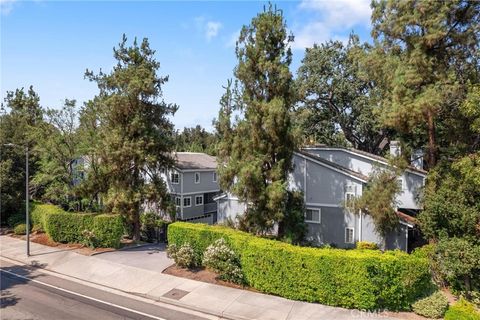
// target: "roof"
[[333, 165], [364, 154], [194, 160]]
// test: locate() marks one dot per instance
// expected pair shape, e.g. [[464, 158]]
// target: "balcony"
[[210, 207]]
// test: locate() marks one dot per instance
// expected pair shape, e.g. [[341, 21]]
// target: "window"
[[187, 201], [400, 184], [174, 177], [349, 200], [198, 200], [197, 177], [214, 177], [178, 201], [349, 235], [313, 215]]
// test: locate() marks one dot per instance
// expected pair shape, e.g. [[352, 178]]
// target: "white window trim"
[[179, 199], [184, 202], [353, 235], [214, 179], [346, 200], [195, 177], [198, 197], [319, 215], [403, 183], [171, 177]]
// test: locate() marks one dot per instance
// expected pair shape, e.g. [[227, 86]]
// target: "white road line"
[[84, 296]]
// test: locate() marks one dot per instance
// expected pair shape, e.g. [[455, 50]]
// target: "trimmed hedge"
[[67, 227], [362, 279], [462, 310]]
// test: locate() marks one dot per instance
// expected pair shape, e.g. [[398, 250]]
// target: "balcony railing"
[[210, 207]]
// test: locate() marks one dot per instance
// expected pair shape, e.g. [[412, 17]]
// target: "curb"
[[168, 301]]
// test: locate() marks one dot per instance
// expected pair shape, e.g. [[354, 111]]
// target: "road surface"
[[28, 294]]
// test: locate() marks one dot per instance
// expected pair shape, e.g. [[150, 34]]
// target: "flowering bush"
[[89, 238], [184, 256], [223, 260]]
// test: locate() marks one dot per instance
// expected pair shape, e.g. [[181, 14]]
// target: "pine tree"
[[428, 51], [136, 135], [255, 157]]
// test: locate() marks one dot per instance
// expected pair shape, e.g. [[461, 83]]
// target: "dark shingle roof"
[[194, 160]]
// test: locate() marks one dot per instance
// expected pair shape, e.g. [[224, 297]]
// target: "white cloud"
[[333, 19], [6, 6], [210, 28]]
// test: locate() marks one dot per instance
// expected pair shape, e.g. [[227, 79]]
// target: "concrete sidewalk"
[[209, 298]]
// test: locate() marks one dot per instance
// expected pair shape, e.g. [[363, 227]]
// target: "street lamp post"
[[27, 195]]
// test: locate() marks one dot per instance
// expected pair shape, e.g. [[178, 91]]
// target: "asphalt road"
[[29, 294]]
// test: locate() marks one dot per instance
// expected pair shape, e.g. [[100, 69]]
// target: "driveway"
[[151, 257]]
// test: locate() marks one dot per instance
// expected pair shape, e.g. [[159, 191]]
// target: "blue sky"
[[49, 44]]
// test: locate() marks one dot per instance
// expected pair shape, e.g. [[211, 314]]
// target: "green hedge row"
[[362, 279], [462, 310], [67, 227]]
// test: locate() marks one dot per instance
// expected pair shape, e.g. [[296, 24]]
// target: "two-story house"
[[331, 177], [193, 184]]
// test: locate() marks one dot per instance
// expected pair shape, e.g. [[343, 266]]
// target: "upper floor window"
[[178, 201], [198, 200], [349, 200], [174, 177], [313, 215], [214, 177], [197, 177], [187, 202], [349, 235]]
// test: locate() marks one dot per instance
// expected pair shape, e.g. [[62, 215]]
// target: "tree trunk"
[[136, 227], [432, 144]]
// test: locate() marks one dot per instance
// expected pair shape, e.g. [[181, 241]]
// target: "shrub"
[[89, 238], [108, 230], [20, 229], [433, 306], [462, 310], [68, 227], [346, 278], [15, 220], [366, 245], [151, 225], [185, 256], [223, 260], [458, 263]]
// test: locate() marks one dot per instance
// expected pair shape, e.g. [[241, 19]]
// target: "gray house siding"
[[324, 189], [412, 183], [206, 182], [187, 188]]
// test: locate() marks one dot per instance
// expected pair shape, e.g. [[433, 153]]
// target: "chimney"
[[395, 148], [416, 159]]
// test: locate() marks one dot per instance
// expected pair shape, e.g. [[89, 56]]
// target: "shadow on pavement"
[[9, 281]]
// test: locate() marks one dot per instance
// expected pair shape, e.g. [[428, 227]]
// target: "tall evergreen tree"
[[428, 51], [136, 135], [18, 127], [257, 161]]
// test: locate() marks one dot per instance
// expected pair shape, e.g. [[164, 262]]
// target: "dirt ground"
[[42, 238], [204, 275]]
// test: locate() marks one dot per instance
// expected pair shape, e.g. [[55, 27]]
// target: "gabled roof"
[[332, 165], [364, 154], [194, 160]]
